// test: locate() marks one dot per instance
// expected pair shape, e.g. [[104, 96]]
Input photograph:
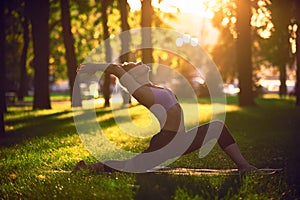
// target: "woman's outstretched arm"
[[142, 93], [91, 68]]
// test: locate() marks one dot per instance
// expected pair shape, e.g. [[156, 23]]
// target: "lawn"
[[42, 146]]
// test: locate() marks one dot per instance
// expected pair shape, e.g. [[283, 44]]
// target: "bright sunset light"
[[196, 7], [205, 9], [262, 19], [198, 13]]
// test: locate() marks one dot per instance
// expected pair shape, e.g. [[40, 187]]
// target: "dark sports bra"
[[164, 97], [164, 100]]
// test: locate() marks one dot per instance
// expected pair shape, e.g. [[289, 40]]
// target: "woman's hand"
[[89, 68], [92, 68], [112, 68]]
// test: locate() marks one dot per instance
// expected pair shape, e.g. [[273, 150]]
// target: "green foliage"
[[14, 40], [86, 27], [277, 48], [272, 18]]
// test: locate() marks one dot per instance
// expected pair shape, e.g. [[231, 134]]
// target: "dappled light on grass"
[[142, 117], [20, 117], [46, 147]]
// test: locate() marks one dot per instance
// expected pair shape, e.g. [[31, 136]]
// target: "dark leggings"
[[165, 144], [163, 138]]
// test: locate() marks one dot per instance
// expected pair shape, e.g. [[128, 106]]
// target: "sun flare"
[[198, 13], [196, 7]]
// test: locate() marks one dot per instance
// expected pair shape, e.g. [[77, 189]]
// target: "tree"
[[224, 55], [146, 22], [277, 49], [39, 16], [70, 53], [297, 87], [108, 52], [23, 86], [125, 42], [125, 36], [246, 96], [15, 47], [2, 68]]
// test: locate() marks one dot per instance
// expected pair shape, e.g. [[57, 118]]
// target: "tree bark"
[[39, 16], [70, 53], [297, 87], [2, 69], [106, 85], [146, 22], [244, 63], [125, 36], [125, 42], [282, 78]]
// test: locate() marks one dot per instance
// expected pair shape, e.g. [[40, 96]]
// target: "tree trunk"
[[282, 78], [70, 53], [244, 63], [297, 87], [146, 22], [24, 77], [106, 85], [2, 69], [39, 16], [125, 42], [125, 36]]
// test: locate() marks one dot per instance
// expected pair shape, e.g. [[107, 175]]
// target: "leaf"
[[41, 177], [13, 176]]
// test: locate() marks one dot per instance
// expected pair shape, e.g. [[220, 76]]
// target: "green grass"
[[42, 146], [53, 97]]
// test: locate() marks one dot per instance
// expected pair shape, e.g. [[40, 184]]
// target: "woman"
[[172, 140]]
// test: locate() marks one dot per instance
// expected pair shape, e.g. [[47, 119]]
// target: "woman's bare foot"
[[247, 168], [97, 167], [80, 165]]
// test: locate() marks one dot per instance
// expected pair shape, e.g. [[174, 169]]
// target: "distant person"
[[173, 140]]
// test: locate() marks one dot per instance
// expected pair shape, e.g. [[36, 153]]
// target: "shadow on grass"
[[158, 186], [30, 125], [35, 126], [266, 132]]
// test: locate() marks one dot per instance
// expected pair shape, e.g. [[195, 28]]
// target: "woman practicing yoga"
[[173, 140]]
